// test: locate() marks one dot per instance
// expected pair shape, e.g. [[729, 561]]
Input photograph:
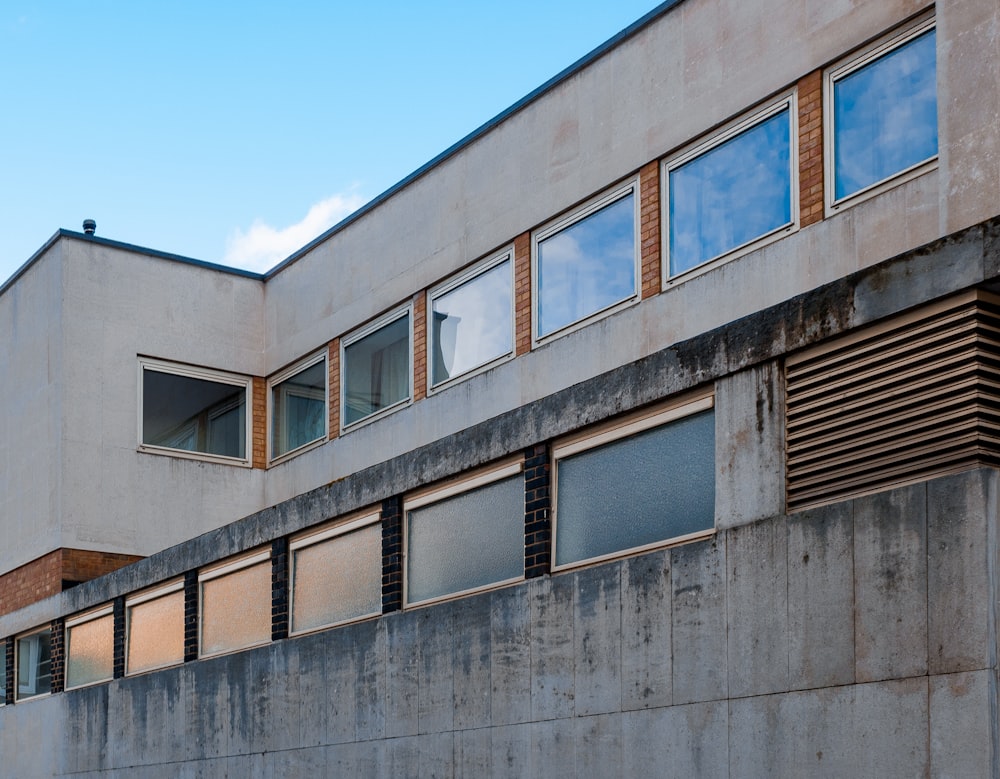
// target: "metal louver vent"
[[914, 397]]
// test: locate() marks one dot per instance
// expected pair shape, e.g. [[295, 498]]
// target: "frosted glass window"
[[885, 116], [640, 490], [471, 324], [236, 609], [377, 370], [155, 633], [298, 409], [586, 266], [731, 195], [466, 542], [337, 579], [90, 651], [34, 665]]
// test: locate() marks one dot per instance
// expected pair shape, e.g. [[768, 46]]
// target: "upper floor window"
[[298, 406], [90, 644], [882, 113], [586, 262], [375, 363], [733, 190], [471, 320], [193, 411]]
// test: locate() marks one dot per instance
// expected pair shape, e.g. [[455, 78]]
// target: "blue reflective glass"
[[731, 195], [587, 266], [885, 116]]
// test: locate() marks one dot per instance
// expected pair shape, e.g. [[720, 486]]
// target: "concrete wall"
[[855, 640]]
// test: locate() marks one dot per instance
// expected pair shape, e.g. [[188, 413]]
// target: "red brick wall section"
[[522, 294], [810, 98], [333, 363], [649, 228], [420, 346], [259, 423], [81, 565]]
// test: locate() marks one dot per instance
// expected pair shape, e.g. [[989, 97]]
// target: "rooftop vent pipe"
[[89, 226]]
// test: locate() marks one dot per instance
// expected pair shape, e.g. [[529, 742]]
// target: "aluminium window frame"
[[845, 66], [137, 599], [18, 698], [218, 571], [282, 376], [326, 532], [785, 100], [459, 485], [567, 219], [204, 374], [612, 431], [479, 268], [81, 619], [359, 334]]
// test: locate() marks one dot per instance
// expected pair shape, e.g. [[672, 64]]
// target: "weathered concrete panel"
[[963, 725], [597, 635], [402, 674], [552, 647], [553, 749], [436, 684], [598, 745], [510, 656], [474, 753], [471, 653], [646, 640], [511, 755], [677, 741]]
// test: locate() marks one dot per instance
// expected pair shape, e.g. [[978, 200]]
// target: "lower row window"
[[90, 640], [34, 665], [235, 605]]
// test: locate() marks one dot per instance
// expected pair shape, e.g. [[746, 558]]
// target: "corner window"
[[635, 484], [586, 263], [193, 412], [376, 367], [471, 320], [882, 114], [336, 574], [298, 406], [465, 536], [34, 665], [235, 605], [733, 190], [90, 648], [154, 629]]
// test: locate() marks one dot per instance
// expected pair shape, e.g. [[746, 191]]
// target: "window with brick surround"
[[33, 667], [471, 320], [732, 192], [586, 263], [336, 574], [881, 115], [235, 605], [193, 412], [633, 484], [154, 628], [297, 406], [375, 367], [89, 648], [465, 536]]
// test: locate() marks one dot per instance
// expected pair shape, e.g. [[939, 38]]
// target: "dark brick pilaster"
[[279, 589], [8, 682], [57, 655], [392, 554], [118, 611], [537, 512], [190, 616]]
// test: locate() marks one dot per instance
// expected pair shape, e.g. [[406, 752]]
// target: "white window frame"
[[341, 527], [612, 431], [137, 600], [17, 664], [357, 335], [570, 218], [786, 101], [81, 619], [205, 374], [484, 266], [846, 66], [481, 477], [217, 572], [278, 378]]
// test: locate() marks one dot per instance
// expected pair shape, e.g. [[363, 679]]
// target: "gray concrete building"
[[652, 429]]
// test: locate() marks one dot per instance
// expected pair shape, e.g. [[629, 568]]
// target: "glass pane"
[[471, 324], [731, 195], [156, 633], [337, 579], [90, 651], [298, 408], [195, 415], [377, 370], [236, 609], [885, 116], [586, 267], [467, 541], [650, 487], [33, 665]]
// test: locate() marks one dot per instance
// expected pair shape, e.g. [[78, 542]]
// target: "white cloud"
[[262, 246]]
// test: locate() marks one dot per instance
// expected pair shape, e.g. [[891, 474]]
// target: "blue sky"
[[237, 132]]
